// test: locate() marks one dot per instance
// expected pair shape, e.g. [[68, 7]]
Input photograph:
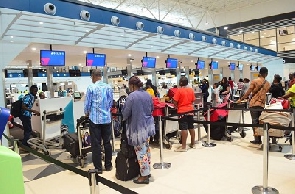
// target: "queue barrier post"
[[114, 153], [208, 143], [161, 165], [93, 183], [198, 125], [292, 155], [265, 189]]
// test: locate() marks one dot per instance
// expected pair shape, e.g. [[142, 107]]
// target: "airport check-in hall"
[[167, 96]]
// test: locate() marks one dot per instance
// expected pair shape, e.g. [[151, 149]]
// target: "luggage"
[[126, 168], [71, 144], [216, 132], [16, 108]]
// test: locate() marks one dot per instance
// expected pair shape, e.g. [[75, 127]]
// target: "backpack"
[[151, 92], [16, 108]]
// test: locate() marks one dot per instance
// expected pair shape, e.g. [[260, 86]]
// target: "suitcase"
[[71, 144], [126, 168]]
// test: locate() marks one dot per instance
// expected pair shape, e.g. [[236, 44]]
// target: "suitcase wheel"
[[168, 146], [46, 153], [243, 134]]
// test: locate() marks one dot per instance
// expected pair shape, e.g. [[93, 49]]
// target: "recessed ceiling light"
[[11, 36], [85, 52], [41, 23], [158, 57], [122, 35], [264, 33], [129, 55], [80, 64], [217, 61], [33, 48], [241, 31], [11, 41], [151, 46], [225, 27], [206, 23], [252, 31], [192, 61], [262, 36]]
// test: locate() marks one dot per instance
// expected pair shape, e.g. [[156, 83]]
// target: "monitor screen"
[[97, 60], [171, 63], [214, 65], [200, 64], [77, 95], [241, 66], [232, 66], [149, 62], [52, 58]]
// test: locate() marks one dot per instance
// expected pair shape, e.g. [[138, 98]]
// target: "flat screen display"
[[171, 63], [241, 66], [232, 66], [52, 58], [200, 64], [214, 65], [149, 62], [96, 60]]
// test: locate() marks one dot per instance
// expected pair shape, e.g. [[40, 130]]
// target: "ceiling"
[[191, 13], [77, 36]]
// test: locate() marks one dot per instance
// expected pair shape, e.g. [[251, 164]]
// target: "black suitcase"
[[71, 144], [126, 168]]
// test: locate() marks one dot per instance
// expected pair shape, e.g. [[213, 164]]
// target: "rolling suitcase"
[[126, 168]]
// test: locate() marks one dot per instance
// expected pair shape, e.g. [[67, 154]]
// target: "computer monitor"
[[171, 63], [77, 95], [200, 64], [94, 59], [52, 58], [232, 66], [149, 62], [214, 65], [241, 66]]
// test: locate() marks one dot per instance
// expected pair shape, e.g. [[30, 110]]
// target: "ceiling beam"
[[17, 16], [235, 54], [174, 45], [198, 49], [227, 49], [100, 26], [141, 39]]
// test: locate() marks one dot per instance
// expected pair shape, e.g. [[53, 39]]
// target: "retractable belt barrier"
[[80, 172]]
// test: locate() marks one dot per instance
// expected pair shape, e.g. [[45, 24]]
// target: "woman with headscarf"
[[137, 112]]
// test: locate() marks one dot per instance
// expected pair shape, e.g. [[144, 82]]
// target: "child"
[[115, 119], [215, 95]]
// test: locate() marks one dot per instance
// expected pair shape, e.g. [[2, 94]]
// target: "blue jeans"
[[27, 126], [100, 132]]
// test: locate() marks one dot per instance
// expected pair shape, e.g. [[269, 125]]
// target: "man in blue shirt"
[[98, 103], [28, 101]]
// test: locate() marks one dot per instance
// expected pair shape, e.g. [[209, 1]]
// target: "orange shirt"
[[184, 97], [259, 98]]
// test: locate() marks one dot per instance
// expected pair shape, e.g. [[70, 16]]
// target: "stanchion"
[[114, 153], [161, 165], [208, 143], [264, 189], [198, 125], [93, 183], [15, 147], [292, 156]]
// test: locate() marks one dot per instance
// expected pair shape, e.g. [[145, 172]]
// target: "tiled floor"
[[229, 168]]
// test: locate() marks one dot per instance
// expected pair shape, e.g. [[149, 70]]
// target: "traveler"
[[240, 84], [41, 95], [290, 94], [27, 104], [246, 86], [204, 87], [258, 87], [290, 82], [276, 88], [98, 103], [231, 83], [149, 82], [137, 112], [150, 90], [183, 101], [225, 87]]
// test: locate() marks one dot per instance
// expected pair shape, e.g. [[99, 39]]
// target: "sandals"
[[180, 149], [145, 181], [192, 146]]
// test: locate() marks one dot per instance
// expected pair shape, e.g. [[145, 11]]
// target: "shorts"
[[186, 122]]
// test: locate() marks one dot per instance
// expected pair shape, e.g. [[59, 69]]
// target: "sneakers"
[[180, 149]]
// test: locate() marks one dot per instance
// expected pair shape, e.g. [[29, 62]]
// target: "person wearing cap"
[[258, 87], [137, 112], [97, 106]]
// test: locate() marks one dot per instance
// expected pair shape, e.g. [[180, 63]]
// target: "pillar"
[[30, 73], [3, 141], [186, 70], [210, 76], [105, 74], [154, 78], [50, 81]]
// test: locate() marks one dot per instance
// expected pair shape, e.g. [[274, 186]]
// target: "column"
[[178, 72], [129, 68], [50, 81], [30, 73], [186, 70], [154, 78], [105, 74], [210, 76]]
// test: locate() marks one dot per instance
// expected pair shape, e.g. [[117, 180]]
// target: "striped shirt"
[[98, 102]]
